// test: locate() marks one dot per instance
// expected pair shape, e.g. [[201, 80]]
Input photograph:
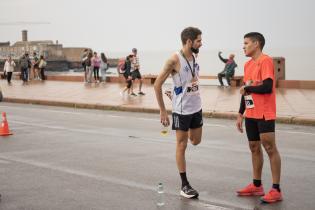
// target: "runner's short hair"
[[190, 33], [255, 36]]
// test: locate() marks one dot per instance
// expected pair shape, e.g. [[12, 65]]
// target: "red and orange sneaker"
[[251, 190], [271, 197]]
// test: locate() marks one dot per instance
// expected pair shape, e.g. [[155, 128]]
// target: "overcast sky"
[[119, 25]]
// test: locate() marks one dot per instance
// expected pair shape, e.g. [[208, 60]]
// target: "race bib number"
[[249, 102]]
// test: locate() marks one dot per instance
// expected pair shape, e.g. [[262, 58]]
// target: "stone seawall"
[[61, 65]]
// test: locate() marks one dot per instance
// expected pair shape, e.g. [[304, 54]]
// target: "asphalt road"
[[64, 158]]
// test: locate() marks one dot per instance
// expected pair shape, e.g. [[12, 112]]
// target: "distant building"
[[58, 57], [45, 47]]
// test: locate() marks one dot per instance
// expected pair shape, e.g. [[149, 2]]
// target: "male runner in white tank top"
[[186, 112]]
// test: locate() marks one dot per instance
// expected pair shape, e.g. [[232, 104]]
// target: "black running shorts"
[[254, 127], [136, 74], [184, 122]]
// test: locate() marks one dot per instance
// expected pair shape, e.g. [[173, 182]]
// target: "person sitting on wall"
[[229, 69]]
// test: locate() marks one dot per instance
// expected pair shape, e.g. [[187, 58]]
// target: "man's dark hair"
[[190, 33], [255, 36]]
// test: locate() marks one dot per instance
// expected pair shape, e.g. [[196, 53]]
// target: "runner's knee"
[[195, 141], [182, 145], [269, 148], [255, 148]]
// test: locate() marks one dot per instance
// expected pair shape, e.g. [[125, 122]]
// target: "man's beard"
[[194, 50]]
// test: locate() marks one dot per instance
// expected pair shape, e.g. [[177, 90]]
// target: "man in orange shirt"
[[258, 105]]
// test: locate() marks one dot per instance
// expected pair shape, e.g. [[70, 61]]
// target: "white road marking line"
[[58, 127], [4, 162], [148, 119], [104, 178], [296, 132]]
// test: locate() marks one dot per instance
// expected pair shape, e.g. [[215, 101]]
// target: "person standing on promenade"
[[25, 64], [83, 59], [88, 64], [258, 105], [104, 66], [35, 66], [186, 100], [8, 69], [229, 69], [42, 66], [135, 71], [128, 76], [96, 63]]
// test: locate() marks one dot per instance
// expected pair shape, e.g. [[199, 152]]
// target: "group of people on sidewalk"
[[93, 64], [257, 107], [129, 67], [31, 68]]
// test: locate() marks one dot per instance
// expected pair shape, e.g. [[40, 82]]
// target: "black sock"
[[276, 186], [184, 179], [257, 182]]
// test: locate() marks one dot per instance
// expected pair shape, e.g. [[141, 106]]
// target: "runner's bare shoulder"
[[174, 60]]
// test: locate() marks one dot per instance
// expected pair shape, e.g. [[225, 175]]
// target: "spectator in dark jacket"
[[25, 64], [128, 76]]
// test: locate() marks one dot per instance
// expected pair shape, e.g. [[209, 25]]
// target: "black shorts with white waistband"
[[136, 74], [185, 122], [255, 127]]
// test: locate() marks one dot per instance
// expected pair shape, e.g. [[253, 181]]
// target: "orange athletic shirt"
[[265, 104]]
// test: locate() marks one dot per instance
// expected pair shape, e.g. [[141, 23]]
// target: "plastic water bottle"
[[164, 130], [160, 194]]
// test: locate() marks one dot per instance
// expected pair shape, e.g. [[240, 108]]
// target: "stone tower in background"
[[24, 35]]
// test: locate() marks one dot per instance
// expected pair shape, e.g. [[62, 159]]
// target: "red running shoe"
[[251, 190], [271, 197]]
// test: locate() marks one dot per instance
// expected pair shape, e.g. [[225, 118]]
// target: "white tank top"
[[186, 96]]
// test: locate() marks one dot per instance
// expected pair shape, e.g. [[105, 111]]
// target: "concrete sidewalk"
[[293, 105]]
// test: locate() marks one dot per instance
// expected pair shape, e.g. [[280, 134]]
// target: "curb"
[[211, 114]]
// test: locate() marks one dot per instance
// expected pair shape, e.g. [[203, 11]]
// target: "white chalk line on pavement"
[[112, 116], [113, 180], [146, 139], [148, 119], [4, 162]]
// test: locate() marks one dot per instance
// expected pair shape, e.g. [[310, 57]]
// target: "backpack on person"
[[42, 64], [121, 67]]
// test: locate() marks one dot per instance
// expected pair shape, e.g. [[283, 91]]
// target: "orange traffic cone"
[[4, 128]]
